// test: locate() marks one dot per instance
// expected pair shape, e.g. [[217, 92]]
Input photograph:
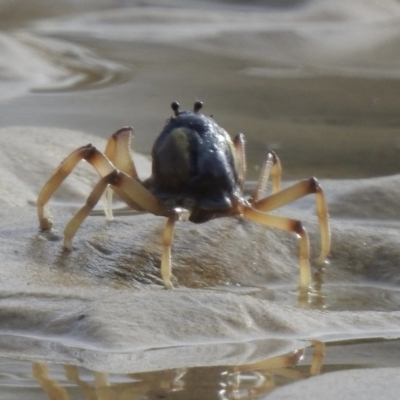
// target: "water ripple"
[[69, 66]]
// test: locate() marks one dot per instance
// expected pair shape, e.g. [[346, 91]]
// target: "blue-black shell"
[[195, 167]]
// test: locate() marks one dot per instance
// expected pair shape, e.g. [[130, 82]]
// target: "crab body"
[[197, 171], [195, 167]]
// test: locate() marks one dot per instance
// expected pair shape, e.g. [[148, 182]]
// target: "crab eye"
[[198, 106], [175, 107]]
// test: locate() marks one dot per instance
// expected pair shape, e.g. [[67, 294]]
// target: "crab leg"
[[166, 251], [133, 192], [295, 192], [130, 190], [88, 153], [289, 225], [91, 201], [124, 185], [271, 168], [106, 201], [239, 144], [118, 151]]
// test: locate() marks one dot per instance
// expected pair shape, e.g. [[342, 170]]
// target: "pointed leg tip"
[[168, 285], [46, 224], [68, 244], [322, 261]]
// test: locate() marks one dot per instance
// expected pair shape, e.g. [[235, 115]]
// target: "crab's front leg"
[[166, 251], [130, 190], [89, 153], [166, 266], [126, 186], [76, 221]]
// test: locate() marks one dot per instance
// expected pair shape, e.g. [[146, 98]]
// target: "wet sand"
[[103, 307]]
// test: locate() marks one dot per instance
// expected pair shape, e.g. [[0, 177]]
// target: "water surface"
[[316, 82], [39, 380]]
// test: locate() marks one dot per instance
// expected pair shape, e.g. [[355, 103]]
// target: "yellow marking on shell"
[[181, 142]]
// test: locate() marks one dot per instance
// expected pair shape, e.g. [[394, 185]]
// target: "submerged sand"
[[103, 305]]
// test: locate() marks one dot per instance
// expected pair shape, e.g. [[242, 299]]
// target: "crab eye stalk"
[[175, 107], [198, 106]]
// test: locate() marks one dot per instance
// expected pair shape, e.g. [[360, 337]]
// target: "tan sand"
[[107, 294]]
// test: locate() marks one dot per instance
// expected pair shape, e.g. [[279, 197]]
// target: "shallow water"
[[316, 81], [38, 380], [340, 297]]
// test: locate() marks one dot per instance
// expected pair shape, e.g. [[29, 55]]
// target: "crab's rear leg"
[[270, 169], [239, 145], [289, 225], [295, 192], [118, 151], [88, 153]]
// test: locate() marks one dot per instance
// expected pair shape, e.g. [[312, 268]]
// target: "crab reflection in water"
[[244, 382]]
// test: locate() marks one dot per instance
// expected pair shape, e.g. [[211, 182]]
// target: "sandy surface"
[[235, 281]]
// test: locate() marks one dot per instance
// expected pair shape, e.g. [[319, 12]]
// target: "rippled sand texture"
[[107, 292], [315, 80]]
